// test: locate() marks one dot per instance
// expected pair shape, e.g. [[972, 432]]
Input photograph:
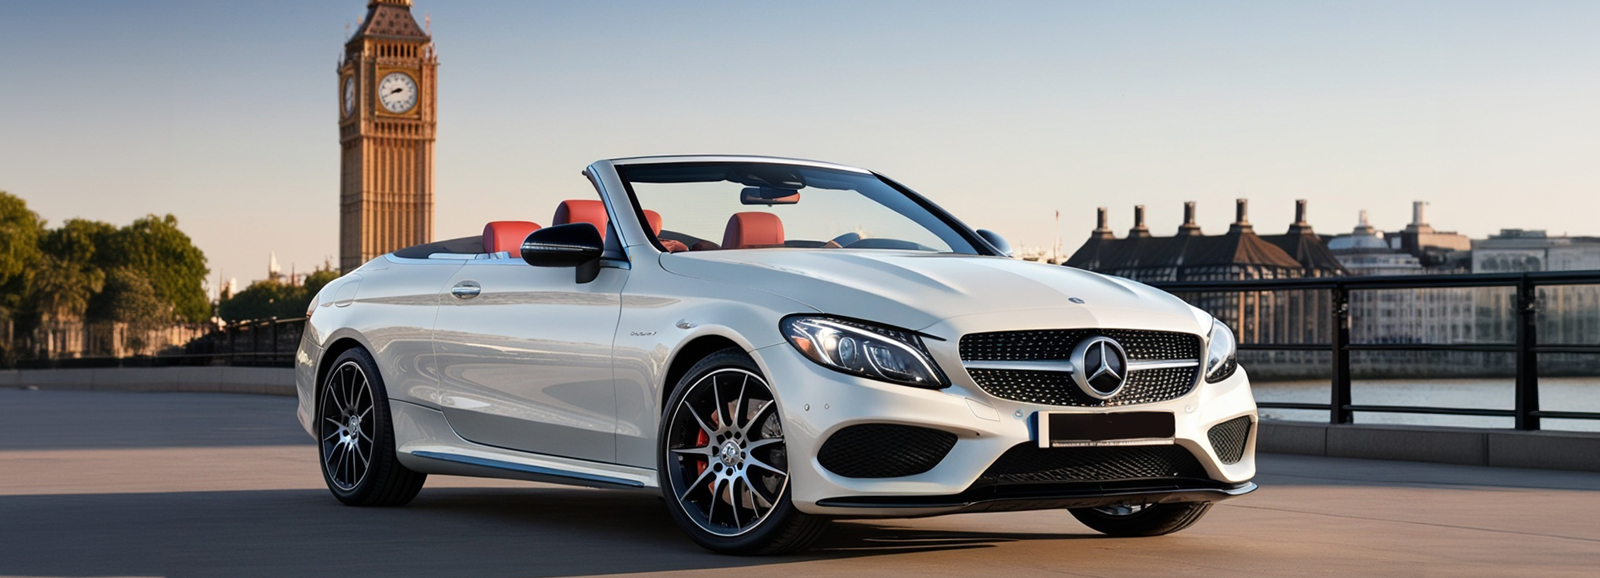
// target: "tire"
[[356, 437], [701, 477], [1149, 520]]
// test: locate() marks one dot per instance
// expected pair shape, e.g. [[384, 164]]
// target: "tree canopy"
[[147, 271], [271, 298], [20, 230], [156, 248]]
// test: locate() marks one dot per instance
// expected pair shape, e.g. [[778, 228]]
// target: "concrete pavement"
[[183, 484]]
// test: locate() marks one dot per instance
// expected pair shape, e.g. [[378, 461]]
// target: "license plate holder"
[[1129, 428]]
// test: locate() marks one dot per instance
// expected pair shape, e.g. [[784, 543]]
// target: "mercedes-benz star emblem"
[[1099, 367]]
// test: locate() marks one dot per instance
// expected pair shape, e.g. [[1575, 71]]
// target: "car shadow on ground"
[[448, 531]]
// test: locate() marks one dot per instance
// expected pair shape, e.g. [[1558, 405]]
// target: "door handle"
[[466, 290]]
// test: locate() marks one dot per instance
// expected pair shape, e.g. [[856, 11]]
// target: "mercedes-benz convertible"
[[771, 344]]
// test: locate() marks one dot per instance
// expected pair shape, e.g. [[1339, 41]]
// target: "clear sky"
[[223, 112]]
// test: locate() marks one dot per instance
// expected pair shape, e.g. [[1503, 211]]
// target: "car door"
[[525, 358]]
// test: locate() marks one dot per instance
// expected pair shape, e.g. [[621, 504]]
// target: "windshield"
[[747, 205]]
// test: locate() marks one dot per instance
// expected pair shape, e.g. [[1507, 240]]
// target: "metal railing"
[[1525, 348], [258, 343]]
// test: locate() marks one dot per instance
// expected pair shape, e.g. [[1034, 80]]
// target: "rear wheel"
[[1141, 520], [357, 438], [724, 465]]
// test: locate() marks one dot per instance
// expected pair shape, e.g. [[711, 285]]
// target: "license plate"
[[1134, 428]]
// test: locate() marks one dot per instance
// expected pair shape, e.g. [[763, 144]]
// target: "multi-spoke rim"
[[346, 426], [726, 461]]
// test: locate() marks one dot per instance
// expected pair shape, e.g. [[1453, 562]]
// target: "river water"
[[1555, 394]]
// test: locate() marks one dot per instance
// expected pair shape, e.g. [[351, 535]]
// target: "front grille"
[[1030, 464], [884, 450], [1056, 388], [1229, 438], [1058, 344]]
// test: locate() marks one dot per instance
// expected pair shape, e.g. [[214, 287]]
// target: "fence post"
[[273, 334], [1527, 388], [1339, 405]]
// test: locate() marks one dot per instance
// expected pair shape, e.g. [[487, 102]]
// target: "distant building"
[[387, 82], [1567, 315], [1434, 248], [1239, 254], [1365, 251]]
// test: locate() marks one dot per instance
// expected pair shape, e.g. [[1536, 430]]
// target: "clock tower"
[[387, 79]]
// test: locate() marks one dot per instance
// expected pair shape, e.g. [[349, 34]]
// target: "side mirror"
[[575, 245], [995, 240]]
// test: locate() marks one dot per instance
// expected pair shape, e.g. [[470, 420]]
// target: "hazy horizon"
[[224, 113]]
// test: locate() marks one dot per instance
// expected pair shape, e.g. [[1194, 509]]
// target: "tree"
[[163, 254], [270, 298], [129, 297], [61, 289], [20, 229], [264, 299], [80, 240]]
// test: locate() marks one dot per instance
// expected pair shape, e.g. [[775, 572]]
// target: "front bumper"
[[817, 402]]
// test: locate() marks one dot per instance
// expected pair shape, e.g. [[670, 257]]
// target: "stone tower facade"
[[387, 82]]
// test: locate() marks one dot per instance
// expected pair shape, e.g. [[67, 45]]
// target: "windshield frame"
[[967, 234]]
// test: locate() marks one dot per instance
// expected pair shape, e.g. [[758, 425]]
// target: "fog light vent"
[[884, 450], [1229, 438]]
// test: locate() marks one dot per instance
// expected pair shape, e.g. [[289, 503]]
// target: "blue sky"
[[224, 112]]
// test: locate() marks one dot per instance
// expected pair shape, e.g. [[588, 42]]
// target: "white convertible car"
[[770, 344]]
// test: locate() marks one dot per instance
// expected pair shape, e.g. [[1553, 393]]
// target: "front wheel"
[[724, 466], [1129, 521], [357, 438]]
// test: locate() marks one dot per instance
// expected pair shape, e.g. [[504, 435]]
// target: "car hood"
[[915, 290]]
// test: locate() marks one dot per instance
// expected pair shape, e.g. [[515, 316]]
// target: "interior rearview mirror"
[[768, 196], [574, 245]]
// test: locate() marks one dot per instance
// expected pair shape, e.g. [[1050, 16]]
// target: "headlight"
[[1221, 355], [866, 350]]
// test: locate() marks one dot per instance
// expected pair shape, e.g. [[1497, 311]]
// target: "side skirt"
[[426, 443]]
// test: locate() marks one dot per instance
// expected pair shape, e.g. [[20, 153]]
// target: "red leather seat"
[[582, 211], [594, 213], [752, 230], [506, 236]]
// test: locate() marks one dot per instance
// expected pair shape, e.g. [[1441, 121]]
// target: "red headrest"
[[576, 211], [655, 221], [747, 230], [506, 236]]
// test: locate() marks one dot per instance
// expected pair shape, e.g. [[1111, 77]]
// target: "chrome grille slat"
[[1033, 366]]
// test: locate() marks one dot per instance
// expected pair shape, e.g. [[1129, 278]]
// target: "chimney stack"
[[1300, 226], [1419, 215], [1242, 222], [1139, 229], [1103, 230], [1189, 226]]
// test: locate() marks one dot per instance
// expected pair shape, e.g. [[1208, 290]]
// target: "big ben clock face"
[[349, 95], [397, 92]]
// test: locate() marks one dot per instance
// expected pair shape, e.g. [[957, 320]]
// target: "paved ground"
[[131, 484]]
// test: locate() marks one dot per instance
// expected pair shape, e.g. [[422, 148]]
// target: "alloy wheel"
[[346, 426], [727, 465]]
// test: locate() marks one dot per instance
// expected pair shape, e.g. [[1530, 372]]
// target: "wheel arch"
[[686, 356], [334, 349]]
